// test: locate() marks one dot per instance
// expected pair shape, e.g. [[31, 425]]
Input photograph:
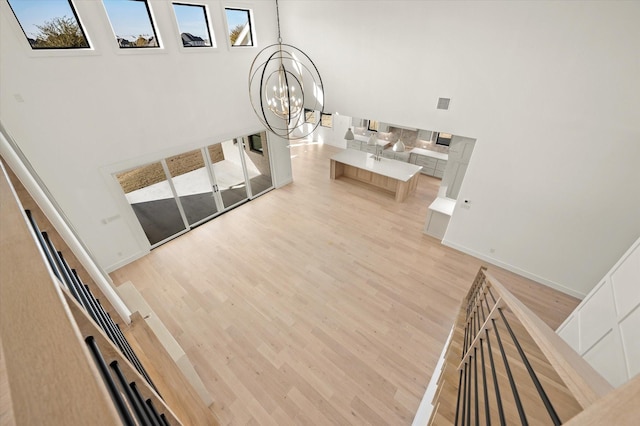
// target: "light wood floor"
[[318, 303]]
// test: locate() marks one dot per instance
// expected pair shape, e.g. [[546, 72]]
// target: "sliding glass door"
[[193, 185], [256, 158], [153, 201], [228, 173], [180, 192]]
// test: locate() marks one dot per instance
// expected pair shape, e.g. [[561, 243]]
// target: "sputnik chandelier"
[[283, 83]]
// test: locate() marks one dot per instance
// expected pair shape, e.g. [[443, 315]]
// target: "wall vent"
[[443, 103]]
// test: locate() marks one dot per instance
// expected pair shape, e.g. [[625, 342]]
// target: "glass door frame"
[[240, 142]]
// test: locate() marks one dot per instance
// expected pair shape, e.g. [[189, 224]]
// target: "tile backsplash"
[[410, 138]]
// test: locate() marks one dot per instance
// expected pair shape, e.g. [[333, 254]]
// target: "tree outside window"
[[49, 24]]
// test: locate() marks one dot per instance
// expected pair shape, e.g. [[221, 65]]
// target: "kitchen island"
[[395, 177]]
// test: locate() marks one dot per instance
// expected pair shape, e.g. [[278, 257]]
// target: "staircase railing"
[[66, 360], [506, 366]]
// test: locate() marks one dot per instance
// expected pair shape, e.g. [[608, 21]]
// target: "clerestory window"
[[240, 27], [50, 24], [193, 25], [132, 23]]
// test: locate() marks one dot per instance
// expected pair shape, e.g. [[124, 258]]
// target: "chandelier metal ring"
[[283, 83]]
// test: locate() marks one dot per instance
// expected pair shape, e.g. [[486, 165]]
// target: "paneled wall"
[[605, 327]]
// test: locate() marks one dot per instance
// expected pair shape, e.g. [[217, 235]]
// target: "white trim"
[[29, 180], [515, 270], [426, 407]]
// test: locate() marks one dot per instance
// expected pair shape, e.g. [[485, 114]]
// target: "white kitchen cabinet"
[[424, 135], [400, 156], [460, 151], [438, 216], [355, 144], [433, 163]]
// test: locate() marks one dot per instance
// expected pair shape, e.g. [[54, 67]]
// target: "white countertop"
[[385, 167], [429, 153], [443, 205]]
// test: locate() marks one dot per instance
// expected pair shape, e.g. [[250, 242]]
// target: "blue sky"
[[129, 19], [235, 17], [191, 19], [35, 12]]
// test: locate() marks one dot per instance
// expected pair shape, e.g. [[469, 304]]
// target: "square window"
[[193, 25], [49, 24], [309, 116], [240, 27], [326, 120], [132, 24]]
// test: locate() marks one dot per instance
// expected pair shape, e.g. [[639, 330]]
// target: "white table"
[[401, 179]]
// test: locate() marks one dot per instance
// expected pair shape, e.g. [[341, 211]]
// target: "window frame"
[[326, 120], [252, 29], [56, 49], [310, 116], [156, 33], [208, 23], [252, 146]]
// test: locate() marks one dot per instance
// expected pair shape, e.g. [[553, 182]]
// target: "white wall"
[[605, 327], [551, 92], [79, 116]]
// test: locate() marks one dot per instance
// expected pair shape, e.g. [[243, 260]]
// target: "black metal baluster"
[[121, 407], [164, 420], [65, 277], [545, 399], [469, 394], [80, 289], [484, 386], [43, 244], [495, 380], [115, 334], [469, 335], [138, 396], [153, 411], [492, 296], [516, 396], [464, 341], [486, 302], [475, 384], [136, 360], [135, 403], [464, 396], [458, 401]]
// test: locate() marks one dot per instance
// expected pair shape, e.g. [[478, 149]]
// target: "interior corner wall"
[[79, 116], [549, 90]]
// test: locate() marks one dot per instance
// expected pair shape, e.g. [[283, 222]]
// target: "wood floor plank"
[[321, 302]]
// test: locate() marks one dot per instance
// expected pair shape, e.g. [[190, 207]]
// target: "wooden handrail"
[[585, 383], [30, 298], [527, 372], [51, 372]]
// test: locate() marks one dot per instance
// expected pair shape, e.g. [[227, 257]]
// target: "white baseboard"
[[125, 261], [516, 270]]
